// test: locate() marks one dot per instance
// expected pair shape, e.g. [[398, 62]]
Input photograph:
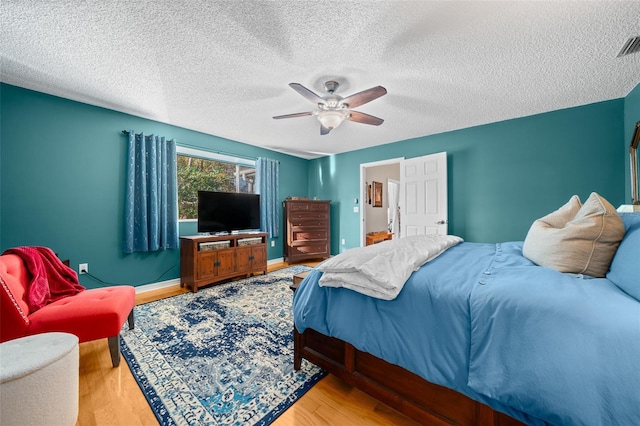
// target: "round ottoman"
[[39, 380]]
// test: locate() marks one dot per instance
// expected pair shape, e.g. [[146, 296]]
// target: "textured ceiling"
[[223, 67]]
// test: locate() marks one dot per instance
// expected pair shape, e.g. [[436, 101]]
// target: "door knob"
[[441, 222]]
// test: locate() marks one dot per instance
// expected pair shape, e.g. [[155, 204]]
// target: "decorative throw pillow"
[[576, 239], [625, 266]]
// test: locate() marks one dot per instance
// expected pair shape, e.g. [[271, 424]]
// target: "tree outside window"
[[203, 174]]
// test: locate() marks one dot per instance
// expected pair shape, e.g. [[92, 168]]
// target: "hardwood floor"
[[111, 396]]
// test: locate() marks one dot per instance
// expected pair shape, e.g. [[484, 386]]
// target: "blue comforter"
[[537, 344]]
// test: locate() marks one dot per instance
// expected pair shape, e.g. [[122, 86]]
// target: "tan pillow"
[[579, 239]]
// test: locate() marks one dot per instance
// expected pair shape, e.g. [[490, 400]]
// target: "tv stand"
[[212, 259]]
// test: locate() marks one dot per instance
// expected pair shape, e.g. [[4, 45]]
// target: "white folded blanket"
[[380, 270]]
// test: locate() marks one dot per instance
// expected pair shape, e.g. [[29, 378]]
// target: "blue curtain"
[[151, 203], [267, 172]]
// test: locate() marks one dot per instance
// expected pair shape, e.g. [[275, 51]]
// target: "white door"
[[423, 195]]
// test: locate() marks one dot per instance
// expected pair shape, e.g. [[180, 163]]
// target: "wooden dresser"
[[211, 259], [378, 237], [307, 229]]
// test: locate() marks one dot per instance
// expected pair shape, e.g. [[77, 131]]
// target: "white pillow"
[[579, 239]]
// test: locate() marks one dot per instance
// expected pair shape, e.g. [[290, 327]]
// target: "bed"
[[480, 335]]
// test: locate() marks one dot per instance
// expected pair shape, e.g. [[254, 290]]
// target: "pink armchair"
[[90, 314]]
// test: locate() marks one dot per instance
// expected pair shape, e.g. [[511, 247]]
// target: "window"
[[206, 171]]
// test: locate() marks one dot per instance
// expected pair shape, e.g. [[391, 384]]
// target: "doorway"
[[374, 206], [423, 204]]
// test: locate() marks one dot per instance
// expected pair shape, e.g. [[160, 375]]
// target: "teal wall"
[[62, 183], [62, 166], [501, 176], [631, 117]]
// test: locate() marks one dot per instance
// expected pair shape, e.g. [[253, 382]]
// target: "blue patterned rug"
[[223, 355]]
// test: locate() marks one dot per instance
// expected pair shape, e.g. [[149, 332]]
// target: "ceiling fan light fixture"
[[334, 109], [332, 118]]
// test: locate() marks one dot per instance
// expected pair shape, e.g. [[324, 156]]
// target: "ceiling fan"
[[334, 109]]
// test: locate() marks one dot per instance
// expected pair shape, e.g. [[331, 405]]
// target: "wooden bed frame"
[[402, 390]]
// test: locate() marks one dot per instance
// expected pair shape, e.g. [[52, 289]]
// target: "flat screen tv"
[[228, 212]]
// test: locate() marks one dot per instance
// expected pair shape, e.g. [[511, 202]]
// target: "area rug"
[[222, 356]]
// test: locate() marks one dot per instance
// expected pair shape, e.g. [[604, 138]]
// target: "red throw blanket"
[[51, 279]]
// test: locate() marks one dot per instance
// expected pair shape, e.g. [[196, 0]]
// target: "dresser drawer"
[[308, 226], [319, 207], [296, 207], [309, 215], [308, 249], [304, 235], [316, 219], [308, 206]]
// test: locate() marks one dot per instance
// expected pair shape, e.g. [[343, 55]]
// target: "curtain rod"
[[230, 154], [212, 151], [126, 132]]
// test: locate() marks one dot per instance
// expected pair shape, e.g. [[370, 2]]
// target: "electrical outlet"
[[344, 241], [273, 243], [83, 268]]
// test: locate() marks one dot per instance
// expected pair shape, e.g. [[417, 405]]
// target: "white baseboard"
[[176, 281], [157, 286]]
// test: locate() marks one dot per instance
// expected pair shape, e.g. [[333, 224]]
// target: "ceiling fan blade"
[[324, 130], [361, 117], [307, 93], [297, 114], [365, 96]]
